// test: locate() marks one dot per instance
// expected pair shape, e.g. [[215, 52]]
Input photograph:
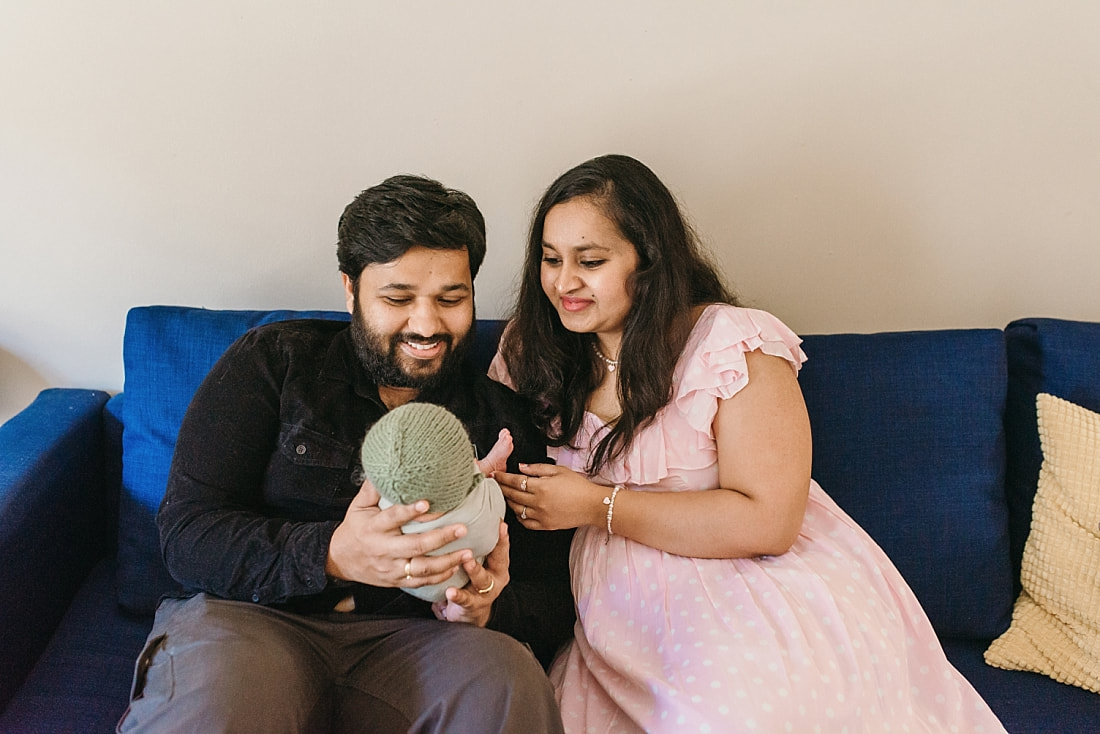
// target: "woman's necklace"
[[612, 364]]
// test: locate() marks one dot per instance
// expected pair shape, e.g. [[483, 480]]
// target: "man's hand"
[[473, 603], [369, 547]]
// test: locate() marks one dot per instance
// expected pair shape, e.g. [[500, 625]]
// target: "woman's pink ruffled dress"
[[824, 638]]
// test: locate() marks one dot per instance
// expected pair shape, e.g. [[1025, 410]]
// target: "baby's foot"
[[497, 458]]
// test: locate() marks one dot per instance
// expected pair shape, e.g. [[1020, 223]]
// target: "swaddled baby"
[[420, 451]]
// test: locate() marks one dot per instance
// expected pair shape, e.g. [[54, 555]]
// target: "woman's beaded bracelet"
[[610, 502]]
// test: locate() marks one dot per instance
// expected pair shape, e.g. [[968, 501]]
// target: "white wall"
[[855, 165]]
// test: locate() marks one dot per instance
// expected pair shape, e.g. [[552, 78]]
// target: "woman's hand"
[[473, 603], [550, 497]]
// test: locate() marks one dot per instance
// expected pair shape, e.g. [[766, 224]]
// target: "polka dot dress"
[[824, 638]]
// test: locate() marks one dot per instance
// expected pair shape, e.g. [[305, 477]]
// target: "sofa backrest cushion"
[[1054, 356], [167, 351], [908, 439]]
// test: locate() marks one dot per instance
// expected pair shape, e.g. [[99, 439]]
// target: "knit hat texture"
[[420, 451]]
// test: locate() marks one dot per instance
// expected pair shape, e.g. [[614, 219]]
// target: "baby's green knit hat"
[[420, 451]]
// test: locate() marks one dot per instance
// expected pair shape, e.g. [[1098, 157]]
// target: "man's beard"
[[380, 358]]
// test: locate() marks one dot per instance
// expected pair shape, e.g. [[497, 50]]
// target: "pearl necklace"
[[611, 363]]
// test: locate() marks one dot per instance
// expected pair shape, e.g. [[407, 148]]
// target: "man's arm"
[[215, 536]]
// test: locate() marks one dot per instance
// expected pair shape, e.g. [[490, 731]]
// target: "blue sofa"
[[928, 439]]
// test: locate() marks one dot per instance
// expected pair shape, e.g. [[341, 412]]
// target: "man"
[[265, 520]]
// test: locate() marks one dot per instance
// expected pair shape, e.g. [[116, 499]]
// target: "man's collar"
[[342, 364]]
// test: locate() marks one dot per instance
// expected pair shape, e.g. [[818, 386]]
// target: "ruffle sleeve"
[[712, 368], [714, 365]]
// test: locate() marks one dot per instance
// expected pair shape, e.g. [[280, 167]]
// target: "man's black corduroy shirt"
[[267, 462]]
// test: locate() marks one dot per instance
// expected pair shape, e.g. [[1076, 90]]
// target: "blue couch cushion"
[[908, 439], [1044, 355], [1026, 703], [81, 683], [167, 351]]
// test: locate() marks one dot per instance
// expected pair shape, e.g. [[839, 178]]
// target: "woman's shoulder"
[[722, 324], [714, 365], [723, 334]]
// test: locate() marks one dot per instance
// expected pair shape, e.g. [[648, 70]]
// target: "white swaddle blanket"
[[481, 513]]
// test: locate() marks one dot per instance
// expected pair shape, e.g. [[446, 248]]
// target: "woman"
[[718, 588]]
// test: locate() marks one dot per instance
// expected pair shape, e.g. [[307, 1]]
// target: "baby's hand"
[[497, 458]]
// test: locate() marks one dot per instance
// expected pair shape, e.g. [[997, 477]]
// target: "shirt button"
[[255, 597], [301, 449]]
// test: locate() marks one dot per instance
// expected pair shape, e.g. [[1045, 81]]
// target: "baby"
[[420, 451]]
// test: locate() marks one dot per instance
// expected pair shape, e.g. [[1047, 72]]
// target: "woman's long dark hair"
[[558, 368]]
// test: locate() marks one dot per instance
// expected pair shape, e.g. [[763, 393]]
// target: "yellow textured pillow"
[[1056, 621]]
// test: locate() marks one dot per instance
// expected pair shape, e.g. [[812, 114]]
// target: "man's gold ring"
[[408, 569], [487, 589]]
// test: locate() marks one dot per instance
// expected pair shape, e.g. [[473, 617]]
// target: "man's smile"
[[422, 349]]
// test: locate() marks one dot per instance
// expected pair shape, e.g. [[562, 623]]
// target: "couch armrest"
[[52, 511]]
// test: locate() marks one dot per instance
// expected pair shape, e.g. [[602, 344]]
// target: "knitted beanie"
[[420, 451]]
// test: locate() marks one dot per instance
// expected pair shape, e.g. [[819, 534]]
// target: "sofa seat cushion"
[[81, 683], [1026, 703], [908, 439]]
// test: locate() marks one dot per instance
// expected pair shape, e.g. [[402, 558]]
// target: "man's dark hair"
[[385, 221]]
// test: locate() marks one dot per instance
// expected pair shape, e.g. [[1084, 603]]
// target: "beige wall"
[[855, 165]]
